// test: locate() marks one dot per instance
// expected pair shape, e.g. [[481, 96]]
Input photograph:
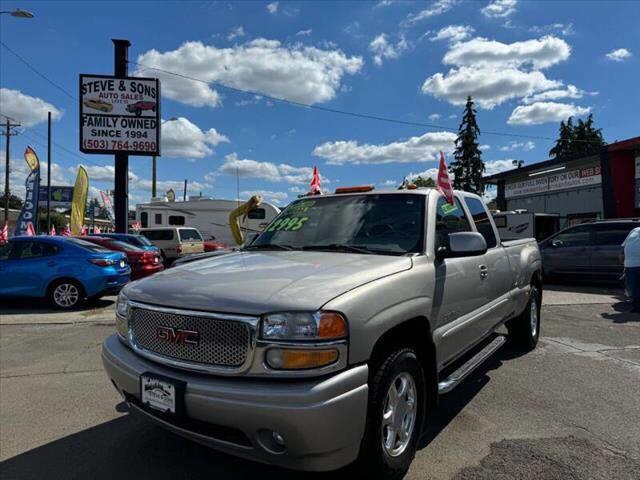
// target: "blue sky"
[[528, 64]]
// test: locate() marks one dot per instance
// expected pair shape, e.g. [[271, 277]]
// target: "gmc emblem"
[[178, 335]]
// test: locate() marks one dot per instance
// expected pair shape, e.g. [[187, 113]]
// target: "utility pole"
[[184, 195], [153, 178], [49, 174], [121, 180], [8, 133]]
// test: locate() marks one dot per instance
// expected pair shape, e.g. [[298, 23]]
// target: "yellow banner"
[[80, 190]]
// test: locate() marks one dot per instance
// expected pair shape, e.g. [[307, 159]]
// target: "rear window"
[[158, 234], [257, 214], [139, 240], [189, 234], [92, 247], [124, 246], [481, 219]]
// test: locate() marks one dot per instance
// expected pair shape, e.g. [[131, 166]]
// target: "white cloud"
[[434, 117], [544, 112], [619, 55], [272, 7], [29, 111], [183, 139], [481, 52], [436, 8], [484, 147], [269, 196], [526, 146], [383, 49], [499, 8], [571, 91], [497, 166], [296, 189], [453, 33], [294, 72], [416, 149], [267, 171], [390, 183], [562, 28], [304, 33], [488, 86], [19, 170], [236, 32]]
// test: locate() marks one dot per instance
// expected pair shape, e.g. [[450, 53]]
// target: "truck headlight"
[[304, 326], [122, 315]]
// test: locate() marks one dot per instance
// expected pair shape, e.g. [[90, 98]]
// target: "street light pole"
[[18, 13], [49, 173], [7, 192]]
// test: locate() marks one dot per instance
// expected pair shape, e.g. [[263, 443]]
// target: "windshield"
[[388, 223]]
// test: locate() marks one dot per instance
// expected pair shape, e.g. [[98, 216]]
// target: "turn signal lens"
[[298, 359], [332, 325]]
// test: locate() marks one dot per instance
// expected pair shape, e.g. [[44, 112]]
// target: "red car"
[[139, 107], [143, 262], [213, 246]]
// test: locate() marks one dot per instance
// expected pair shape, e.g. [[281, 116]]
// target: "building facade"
[[602, 185]]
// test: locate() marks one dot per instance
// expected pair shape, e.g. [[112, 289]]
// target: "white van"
[[174, 242]]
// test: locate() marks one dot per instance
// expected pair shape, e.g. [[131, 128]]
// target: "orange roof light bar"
[[362, 188]]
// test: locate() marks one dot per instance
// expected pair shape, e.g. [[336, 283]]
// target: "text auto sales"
[[107, 126]]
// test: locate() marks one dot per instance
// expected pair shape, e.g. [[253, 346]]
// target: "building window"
[[481, 219], [144, 219], [176, 220], [158, 219]]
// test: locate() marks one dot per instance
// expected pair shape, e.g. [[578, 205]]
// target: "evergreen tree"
[[424, 182], [468, 167], [582, 139]]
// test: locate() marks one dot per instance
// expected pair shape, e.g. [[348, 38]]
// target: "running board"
[[453, 380]]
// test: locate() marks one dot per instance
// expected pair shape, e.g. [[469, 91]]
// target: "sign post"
[[120, 115]]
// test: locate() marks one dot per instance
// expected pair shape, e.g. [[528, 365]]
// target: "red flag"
[[315, 182], [53, 230], [4, 233], [66, 231], [96, 229], [30, 232], [444, 183]]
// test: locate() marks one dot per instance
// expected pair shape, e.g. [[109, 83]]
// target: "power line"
[[34, 69], [334, 110]]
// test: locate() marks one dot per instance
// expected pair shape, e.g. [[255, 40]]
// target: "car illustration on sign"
[[98, 104], [139, 107]]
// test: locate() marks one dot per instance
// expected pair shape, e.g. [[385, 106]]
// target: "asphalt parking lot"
[[568, 410]]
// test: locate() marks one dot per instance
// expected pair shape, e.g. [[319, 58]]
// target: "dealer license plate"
[[158, 393]]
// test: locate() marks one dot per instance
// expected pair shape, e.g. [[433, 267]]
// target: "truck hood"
[[254, 283]]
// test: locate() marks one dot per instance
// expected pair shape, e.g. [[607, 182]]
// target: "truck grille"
[[223, 343]]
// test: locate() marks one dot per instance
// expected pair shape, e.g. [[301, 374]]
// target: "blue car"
[[139, 241], [65, 270]]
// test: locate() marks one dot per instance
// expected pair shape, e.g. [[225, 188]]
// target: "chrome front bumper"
[[321, 420]]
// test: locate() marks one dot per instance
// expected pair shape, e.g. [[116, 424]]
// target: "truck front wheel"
[[524, 330], [394, 416]]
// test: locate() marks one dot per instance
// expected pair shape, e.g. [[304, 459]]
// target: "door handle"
[[484, 272]]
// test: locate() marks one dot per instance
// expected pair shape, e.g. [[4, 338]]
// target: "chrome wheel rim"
[[534, 315], [66, 295], [399, 414]]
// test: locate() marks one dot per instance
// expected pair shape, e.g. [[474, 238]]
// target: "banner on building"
[[29, 213], [80, 190], [582, 177]]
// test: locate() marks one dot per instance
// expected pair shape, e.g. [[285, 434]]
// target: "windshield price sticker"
[[289, 224], [119, 115], [447, 208], [301, 207]]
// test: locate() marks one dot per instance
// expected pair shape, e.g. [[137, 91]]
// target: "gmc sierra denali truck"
[[327, 341]]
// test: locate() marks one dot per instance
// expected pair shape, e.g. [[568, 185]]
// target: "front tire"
[[66, 294], [394, 416], [524, 330]]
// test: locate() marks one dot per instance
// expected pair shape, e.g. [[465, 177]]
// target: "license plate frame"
[[162, 395]]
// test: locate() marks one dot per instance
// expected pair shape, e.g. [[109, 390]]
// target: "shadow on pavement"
[[624, 313], [613, 288], [28, 306]]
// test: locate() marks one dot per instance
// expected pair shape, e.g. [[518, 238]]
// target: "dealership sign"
[[119, 115], [60, 197], [559, 181]]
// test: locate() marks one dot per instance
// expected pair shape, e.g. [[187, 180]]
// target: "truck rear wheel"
[[394, 416], [524, 330]]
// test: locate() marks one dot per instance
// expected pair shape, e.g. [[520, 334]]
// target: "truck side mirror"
[[557, 243], [463, 244]]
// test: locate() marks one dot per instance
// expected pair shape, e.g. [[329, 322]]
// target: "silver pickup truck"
[[328, 340]]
